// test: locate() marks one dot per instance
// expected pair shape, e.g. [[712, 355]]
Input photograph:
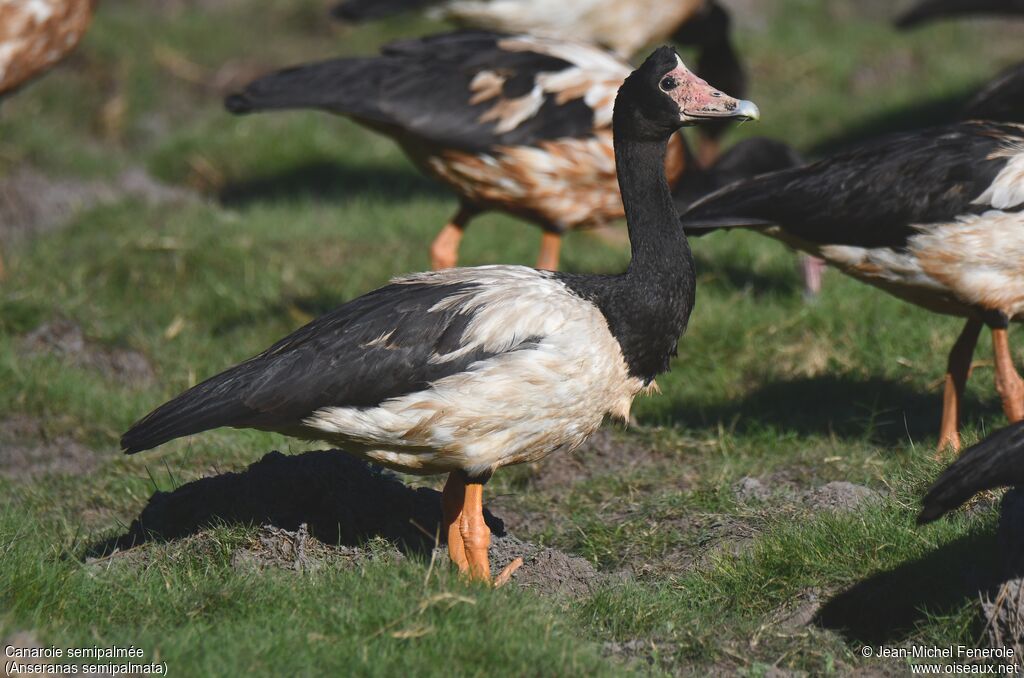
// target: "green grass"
[[317, 211]]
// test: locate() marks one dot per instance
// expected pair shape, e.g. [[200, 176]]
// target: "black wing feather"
[[366, 351], [870, 196], [420, 89], [997, 461]]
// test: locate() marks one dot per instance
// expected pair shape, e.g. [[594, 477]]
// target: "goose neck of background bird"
[[659, 247]]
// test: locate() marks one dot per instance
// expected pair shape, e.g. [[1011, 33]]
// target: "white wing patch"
[[594, 77], [1007, 190], [975, 261]]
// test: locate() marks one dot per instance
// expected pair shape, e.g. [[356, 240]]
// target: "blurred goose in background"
[[34, 36], [1002, 99], [464, 371], [933, 217], [622, 26], [519, 124], [997, 461], [933, 10]]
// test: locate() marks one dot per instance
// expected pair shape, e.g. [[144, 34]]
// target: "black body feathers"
[[870, 196], [997, 461]]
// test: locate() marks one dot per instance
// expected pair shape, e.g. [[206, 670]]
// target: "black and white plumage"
[[931, 10], [519, 124], [934, 217], [996, 461], [468, 370], [622, 26], [432, 373]]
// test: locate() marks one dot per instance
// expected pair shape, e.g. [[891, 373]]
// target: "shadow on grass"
[[875, 409], [328, 181], [341, 499], [925, 114], [887, 606]]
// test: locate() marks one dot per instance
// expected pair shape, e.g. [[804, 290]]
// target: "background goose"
[[34, 36], [932, 10], [464, 371], [933, 217], [622, 26], [518, 124], [1001, 99]]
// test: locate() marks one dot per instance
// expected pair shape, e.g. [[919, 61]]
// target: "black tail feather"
[[344, 86], [996, 461], [747, 183], [211, 404], [744, 160]]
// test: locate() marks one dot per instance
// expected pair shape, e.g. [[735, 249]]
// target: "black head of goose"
[[464, 371]]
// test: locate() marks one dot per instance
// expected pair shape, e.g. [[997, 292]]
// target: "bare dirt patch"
[[66, 339], [298, 551], [32, 202], [607, 451], [781, 487], [27, 452]]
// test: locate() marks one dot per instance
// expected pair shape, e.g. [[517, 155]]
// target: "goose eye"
[[668, 83]]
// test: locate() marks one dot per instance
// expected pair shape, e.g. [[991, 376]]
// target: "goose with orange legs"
[[934, 217], [514, 123], [463, 371]]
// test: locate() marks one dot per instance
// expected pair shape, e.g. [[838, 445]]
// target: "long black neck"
[[660, 251], [648, 306]]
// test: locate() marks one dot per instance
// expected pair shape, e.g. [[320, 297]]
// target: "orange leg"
[[452, 498], [1008, 382], [476, 536], [958, 368], [550, 245], [708, 151], [444, 251]]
